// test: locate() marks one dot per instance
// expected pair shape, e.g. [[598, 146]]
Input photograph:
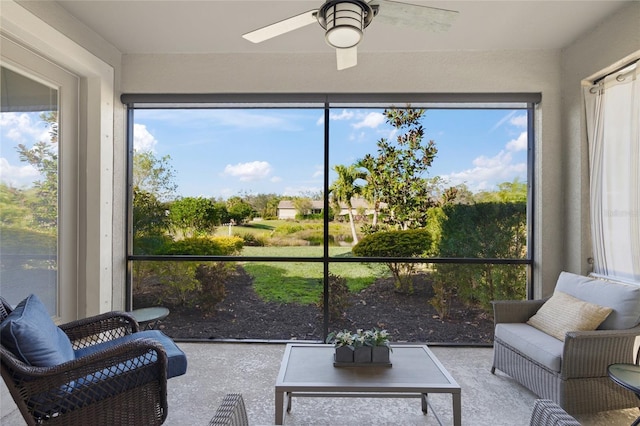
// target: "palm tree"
[[344, 188], [371, 191]]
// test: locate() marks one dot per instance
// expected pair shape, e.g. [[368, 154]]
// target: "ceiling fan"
[[345, 20]]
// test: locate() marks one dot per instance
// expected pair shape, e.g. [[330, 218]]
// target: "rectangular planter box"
[[344, 354], [380, 354], [362, 354]]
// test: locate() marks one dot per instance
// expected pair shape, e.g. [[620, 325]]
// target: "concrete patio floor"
[[216, 369], [251, 369]]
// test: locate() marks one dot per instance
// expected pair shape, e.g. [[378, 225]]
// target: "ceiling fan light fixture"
[[344, 21]]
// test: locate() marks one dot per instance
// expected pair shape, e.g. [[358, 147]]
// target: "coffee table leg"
[[425, 403], [457, 409], [289, 398], [279, 406]]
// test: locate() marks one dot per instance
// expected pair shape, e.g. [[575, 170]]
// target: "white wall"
[[600, 51]]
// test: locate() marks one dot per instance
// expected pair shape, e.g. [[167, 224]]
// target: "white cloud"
[[17, 176], [253, 170], [488, 171], [519, 144], [318, 173], [24, 127], [371, 120], [343, 115], [143, 140], [276, 179], [519, 121]]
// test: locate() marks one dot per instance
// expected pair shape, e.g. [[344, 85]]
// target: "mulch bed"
[[243, 315]]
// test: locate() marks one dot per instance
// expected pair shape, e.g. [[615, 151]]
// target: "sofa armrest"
[[100, 328], [515, 311], [137, 368], [589, 353]]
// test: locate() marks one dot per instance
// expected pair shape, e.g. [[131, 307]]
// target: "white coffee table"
[[307, 370]]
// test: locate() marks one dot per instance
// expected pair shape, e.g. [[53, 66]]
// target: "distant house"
[[286, 209]]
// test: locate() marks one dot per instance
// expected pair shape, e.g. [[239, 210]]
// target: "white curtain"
[[613, 132]]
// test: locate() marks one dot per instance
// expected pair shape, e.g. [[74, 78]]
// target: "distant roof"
[[319, 204]]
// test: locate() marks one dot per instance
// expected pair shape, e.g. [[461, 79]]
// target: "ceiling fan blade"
[[281, 27], [414, 16], [347, 58]]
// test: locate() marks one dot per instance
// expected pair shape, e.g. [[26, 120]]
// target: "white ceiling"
[[216, 26]]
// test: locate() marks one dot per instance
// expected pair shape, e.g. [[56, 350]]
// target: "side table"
[[627, 376], [148, 317]]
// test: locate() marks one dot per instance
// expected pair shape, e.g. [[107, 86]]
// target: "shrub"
[[253, 240], [408, 243], [212, 278], [338, 297], [211, 246], [182, 280], [483, 230]]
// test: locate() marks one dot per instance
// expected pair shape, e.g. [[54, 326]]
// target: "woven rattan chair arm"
[[100, 328], [231, 412], [588, 353], [126, 366], [515, 311]]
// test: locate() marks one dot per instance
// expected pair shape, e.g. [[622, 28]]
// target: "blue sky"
[[220, 153]]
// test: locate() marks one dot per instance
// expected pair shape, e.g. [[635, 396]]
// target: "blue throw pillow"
[[30, 334]]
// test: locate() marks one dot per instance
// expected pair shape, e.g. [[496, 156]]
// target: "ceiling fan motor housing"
[[344, 21]]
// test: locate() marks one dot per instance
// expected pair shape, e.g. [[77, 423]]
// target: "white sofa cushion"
[[540, 347], [624, 299]]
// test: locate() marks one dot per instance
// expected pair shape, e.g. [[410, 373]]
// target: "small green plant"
[[338, 297], [213, 278], [442, 297], [373, 337], [341, 338]]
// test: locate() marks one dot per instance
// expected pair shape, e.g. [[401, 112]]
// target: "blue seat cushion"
[[177, 360], [30, 334]]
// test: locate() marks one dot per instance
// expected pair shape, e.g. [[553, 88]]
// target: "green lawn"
[[301, 282]]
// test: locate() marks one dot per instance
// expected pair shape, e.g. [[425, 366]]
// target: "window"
[[298, 184], [38, 125]]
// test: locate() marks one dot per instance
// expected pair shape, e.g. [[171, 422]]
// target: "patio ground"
[[251, 369]]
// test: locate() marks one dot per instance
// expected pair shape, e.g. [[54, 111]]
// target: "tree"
[[153, 175], [193, 216], [150, 222], [401, 167], [239, 210], [344, 188], [13, 207], [303, 205], [508, 192], [44, 157], [372, 191], [266, 205]]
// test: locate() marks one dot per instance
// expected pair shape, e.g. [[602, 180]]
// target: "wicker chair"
[[231, 412], [124, 384], [548, 413], [582, 384]]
